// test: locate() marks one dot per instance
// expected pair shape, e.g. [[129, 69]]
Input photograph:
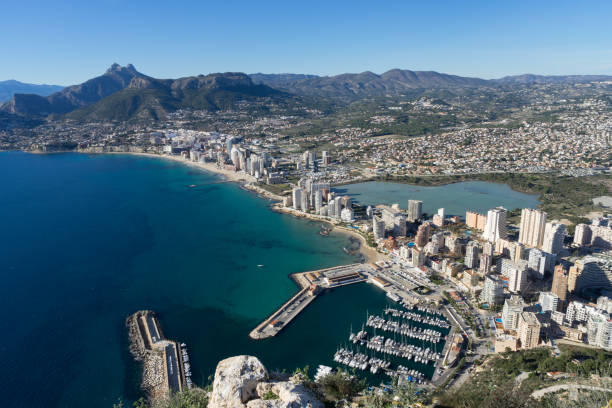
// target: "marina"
[[412, 348]]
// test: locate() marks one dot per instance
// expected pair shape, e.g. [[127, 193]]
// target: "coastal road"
[[563, 387]]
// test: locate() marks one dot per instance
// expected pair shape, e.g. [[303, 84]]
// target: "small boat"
[[192, 185], [260, 266]]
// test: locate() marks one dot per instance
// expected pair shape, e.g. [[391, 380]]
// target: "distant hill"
[[398, 81], [279, 80], [11, 87], [530, 79], [366, 83]]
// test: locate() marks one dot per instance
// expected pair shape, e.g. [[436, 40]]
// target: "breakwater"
[[165, 363]]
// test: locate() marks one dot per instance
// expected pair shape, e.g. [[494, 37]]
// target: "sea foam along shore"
[[248, 182]]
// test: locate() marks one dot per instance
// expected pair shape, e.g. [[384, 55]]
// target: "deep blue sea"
[[86, 240]]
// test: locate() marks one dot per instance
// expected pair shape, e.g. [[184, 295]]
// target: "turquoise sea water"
[[86, 240], [456, 198]]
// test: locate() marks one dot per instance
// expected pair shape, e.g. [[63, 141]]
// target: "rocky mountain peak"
[[118, 68]]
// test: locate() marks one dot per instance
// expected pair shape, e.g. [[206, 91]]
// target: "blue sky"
[[67, 42]]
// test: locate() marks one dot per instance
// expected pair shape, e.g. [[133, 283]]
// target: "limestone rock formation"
[[243, 382], [236, 380]]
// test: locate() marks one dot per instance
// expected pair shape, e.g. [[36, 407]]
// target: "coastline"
[[247, 181], [369, 253]]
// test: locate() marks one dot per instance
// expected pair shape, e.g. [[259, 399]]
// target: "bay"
[[86, 240]]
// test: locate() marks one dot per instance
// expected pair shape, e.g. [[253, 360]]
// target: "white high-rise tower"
[[415, 210], [496, 225], [533, 223], [554, 235]]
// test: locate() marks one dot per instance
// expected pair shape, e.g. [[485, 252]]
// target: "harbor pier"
[[311, 283]]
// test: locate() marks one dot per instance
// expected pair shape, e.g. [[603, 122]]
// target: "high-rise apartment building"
[[539, 262], [378, 228], [529, 330], [516, 273], [601, 236], [599, 329], [492, 291], [304, 204], [496, 225], [297, 198], [549, 302], [582, 235], [510, 312], [318, 200], [592, 271], [418, 258], [559, 285], [394, 220], [554, 235], [338, 207], [475, 220], [415, 210], [533, 224], [484, 263], [471, 254], [422, 235], [325, 159]]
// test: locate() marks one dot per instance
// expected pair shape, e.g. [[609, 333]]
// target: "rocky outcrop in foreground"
[[243, 381]]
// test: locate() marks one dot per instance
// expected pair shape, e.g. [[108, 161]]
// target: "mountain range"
[[367, 83], [123, 93], [398, 81], [11, 87]]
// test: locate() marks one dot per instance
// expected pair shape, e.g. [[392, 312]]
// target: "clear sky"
[[66, 42]]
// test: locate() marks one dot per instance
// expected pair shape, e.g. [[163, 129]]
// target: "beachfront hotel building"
[[533, 224], [297, 198], [378, 228]]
